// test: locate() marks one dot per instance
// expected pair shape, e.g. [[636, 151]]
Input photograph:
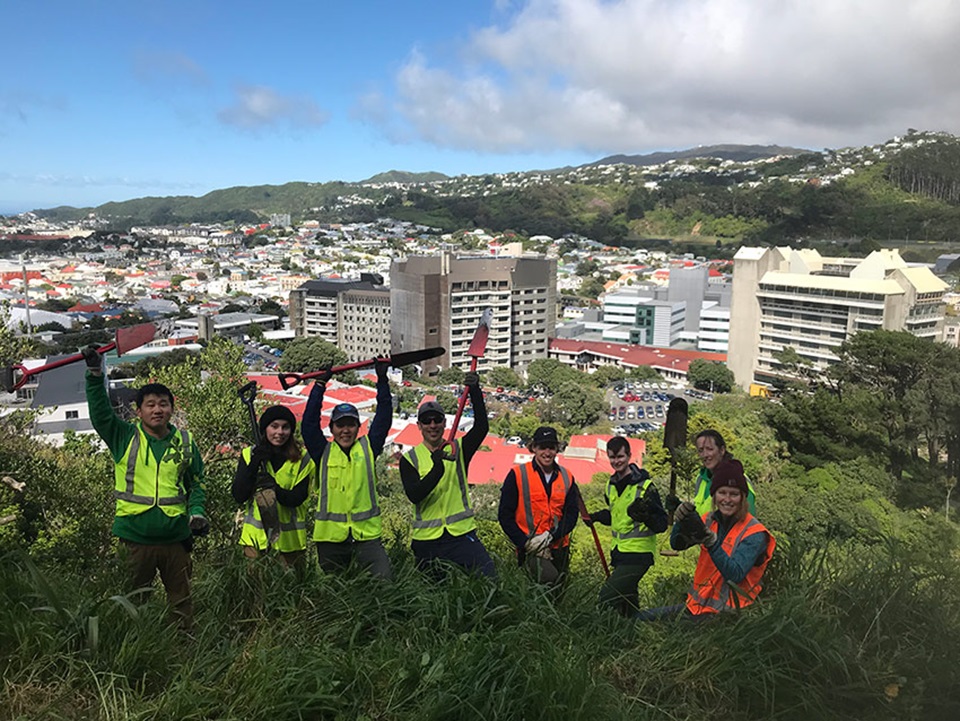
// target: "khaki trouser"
[[290, 559], [173, 562]]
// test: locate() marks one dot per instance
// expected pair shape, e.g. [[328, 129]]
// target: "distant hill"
[[738, 153], [402, 176]]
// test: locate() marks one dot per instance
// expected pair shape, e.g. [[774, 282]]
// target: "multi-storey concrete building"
[[785, 298], [631, 315], [438, 300], [353, 314]]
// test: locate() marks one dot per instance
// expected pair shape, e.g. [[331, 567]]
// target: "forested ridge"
[[859, 619], [901, 190]]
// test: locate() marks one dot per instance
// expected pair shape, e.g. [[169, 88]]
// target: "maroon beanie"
[[729, 474]]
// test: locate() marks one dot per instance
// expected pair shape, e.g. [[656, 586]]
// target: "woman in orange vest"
[[735, 549]]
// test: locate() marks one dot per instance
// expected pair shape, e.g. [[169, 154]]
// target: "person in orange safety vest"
[[539, 506], [735, 549]]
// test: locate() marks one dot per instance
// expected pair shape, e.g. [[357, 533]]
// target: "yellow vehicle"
[[759, 391]]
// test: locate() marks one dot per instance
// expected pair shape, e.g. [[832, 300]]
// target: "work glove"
[[324, 377], [602, 516], [261, 453], [381, 366], [640, 510], [443, 453], [693, 527], [93, 359], [685, 510], [536, 545], [199, 525], [471, 379], [671, 503]]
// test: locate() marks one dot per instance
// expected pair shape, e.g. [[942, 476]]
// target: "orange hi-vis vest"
[[711, 592], [536, 512]]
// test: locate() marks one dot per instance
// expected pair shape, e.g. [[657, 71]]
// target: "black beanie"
[[277, 413]]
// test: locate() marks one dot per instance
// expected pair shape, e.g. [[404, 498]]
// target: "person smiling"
[[434, 478], [635, 517], [158, 487], [537, 513], [277, 463], [712, 451], [735, 549], [346, 525]]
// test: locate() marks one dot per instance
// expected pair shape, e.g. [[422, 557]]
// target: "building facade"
[[352, 314], [438, 301], [785, 298]]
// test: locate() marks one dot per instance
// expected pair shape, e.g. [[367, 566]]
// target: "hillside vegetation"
[[859, 619], [906, 189]]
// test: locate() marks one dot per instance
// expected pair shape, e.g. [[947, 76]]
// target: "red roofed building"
[[585, 355]]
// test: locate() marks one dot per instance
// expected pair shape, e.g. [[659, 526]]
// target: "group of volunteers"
[[160, 501]]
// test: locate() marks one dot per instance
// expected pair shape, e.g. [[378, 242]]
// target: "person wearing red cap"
[[276, 472], [735, 549], [346, 524]]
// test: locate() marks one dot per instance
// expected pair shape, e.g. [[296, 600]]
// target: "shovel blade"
[[675, 428], [479, 343]]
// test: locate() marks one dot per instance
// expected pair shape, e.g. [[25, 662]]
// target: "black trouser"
[[369, 555], [620, 590]]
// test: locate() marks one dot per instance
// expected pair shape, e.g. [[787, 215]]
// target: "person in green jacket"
[[158, 487], [712, 451]]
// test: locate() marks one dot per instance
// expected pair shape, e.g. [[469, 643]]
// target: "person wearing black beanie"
[[273, 479]]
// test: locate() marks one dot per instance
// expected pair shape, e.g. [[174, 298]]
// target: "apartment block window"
[[73, 415]]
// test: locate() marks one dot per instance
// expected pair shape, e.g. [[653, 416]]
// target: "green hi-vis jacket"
[[447, 507], [293, 521], [347, 504], [628, 535]]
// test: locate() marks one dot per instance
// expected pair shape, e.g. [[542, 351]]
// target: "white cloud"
[[258, 107], [625, 76]]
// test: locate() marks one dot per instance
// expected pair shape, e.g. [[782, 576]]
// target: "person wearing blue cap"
[[347, 527]]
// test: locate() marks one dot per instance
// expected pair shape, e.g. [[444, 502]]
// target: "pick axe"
[[674, 438], [124, 340], [478, 347], [265, 498]]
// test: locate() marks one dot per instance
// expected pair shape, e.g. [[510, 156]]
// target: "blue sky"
[[103, 100]]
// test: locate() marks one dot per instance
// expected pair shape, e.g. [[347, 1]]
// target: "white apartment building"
[[713, 335], [631, 315], [785, 298]]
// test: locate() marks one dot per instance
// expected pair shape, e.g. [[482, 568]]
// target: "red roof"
[[633, 355]]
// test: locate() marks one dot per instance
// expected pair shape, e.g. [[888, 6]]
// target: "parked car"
[[622, 413]]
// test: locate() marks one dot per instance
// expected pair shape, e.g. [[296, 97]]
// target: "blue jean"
[[465, 551]]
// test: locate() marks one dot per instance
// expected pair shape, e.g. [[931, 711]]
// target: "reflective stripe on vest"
[[637, 530], [323, 513], [467, 512], [130, 476], [554, 502], [293, 521]]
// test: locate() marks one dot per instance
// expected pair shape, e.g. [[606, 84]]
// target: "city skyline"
[[111, 101]]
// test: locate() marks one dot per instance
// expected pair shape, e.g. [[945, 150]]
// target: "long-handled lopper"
[[265, 497], [584, 516], [125, 340], [674, 438], [397, 360]]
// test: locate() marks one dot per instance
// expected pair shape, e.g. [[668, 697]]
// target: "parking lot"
[[641, 406]]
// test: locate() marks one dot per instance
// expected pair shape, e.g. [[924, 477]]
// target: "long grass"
[[842, 634]]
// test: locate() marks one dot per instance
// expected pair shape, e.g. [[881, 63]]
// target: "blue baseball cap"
[[344, 410]]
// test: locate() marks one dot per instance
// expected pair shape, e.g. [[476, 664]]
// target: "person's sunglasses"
[[432, 420]]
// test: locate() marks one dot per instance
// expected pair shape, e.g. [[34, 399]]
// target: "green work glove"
[[93, 359]]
